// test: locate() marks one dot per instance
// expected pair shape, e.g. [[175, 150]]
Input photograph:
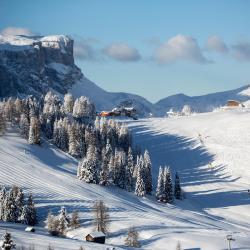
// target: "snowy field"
[[211, 152]]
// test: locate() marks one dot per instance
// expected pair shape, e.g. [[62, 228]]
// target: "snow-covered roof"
[[29, 229], [97, 234]]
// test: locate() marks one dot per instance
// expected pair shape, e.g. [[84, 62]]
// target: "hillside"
[[216, 204], [203, 103]]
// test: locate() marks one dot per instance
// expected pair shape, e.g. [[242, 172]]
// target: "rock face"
[[32, 65]]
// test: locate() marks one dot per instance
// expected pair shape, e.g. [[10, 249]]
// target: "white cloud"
[[122, 52], [177, 48], [12, 31], [241, 51], [215, 43], [83, 50]]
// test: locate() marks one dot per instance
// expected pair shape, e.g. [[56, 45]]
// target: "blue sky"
[[151, 48]]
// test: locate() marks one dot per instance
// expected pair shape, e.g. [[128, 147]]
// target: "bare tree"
[[74, 222], [132, 238], [101, 220]]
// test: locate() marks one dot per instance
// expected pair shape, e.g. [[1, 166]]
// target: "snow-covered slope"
[[105, 100], [217, 202], [204, 103]]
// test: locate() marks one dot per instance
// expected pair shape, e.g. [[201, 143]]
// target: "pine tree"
[[24, 126], [129, 171], [168, 187], [73, 145], [74, 222], [17, 110], [2, 123], [132, 238], [88, 167], [177, 187], [7, 243], [2, 198], [104, 173], [140, 188], [34, 131], [63, 221], [50, 222], [30, 212], [101, 217], [148, 172], [68, 103], [51, 108], [19, 202], [160, 185]]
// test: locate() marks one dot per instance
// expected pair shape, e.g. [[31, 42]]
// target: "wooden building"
[[234, 103], [97, 237]]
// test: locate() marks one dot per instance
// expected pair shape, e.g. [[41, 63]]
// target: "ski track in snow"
[[217, 202]]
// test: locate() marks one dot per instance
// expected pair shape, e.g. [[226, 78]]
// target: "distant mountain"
[[204, 103], [34, 65]]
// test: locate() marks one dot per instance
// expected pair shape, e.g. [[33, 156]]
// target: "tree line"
[[104, 147], [15, 208]]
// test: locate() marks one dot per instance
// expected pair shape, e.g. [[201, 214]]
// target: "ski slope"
[[216, 204]]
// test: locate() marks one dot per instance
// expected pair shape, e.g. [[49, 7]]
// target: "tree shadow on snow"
[[191, 161]]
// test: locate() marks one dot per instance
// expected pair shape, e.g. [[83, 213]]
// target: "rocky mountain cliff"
[[32, 65]]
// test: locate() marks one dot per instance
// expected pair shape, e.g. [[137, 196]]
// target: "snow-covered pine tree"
[[63, 221], [88, 168], [84, 110], [68, 103], [31, 211], [48, 129], [160, 185], [9, 110], [24, 126], [73, 144], [74, 221], [104, 172], [62, 140], [132, 238], [19, 202], [177, 187], [124, 139], [17, 110], [2, 123], [7, 242], [122, 175], [140, 188], [2, 198], [111, 169], [148, 172], [129, 171], [51, 108], [168, 186], [50, 222], [34, 131], [10, 207], [101, 217]]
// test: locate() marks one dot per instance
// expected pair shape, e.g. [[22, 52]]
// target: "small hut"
[[30, 229], [234, 103], [97, 237]]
